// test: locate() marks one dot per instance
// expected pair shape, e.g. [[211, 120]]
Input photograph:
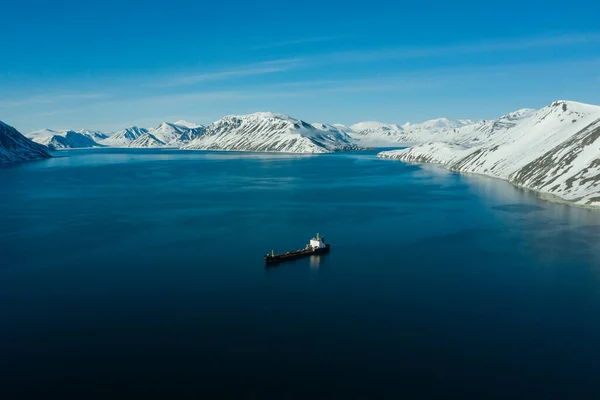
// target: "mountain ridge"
[[14, 146], [552, 150], [270, 132]]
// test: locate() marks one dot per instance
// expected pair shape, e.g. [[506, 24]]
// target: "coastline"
[[544, 196]]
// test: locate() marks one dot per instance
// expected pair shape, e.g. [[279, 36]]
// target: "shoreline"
[[544, 196]]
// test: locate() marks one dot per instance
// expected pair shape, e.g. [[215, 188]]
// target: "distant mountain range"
[[56, 140], [173, 135], [262, 131], [377, 134], [553, 150]]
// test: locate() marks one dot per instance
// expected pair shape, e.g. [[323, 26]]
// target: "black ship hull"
[[294, 255]]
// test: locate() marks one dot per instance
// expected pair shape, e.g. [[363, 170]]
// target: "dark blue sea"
[[141, 272]]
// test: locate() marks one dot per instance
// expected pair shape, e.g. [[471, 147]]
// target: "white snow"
[[379, 134], [374, 126], [94, 135], [172, 135], [187, 124], [124, 137], [166, 134], [16, 147], [553, 150], [270, 132], [147, 140], [66, 139]]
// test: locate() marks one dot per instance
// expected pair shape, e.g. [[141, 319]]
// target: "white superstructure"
[[317, 242]]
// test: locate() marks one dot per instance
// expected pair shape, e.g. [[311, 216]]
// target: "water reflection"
[[547, 231], [315, 262]]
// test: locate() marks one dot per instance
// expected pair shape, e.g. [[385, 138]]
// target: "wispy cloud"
[[290, 89], [421, 80], [293, 42], [369, 56], [399, 53], [262, 68], [172, 93], [51, 98], [372, 56]]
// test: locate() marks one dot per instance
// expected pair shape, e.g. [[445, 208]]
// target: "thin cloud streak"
[[315, 61], [465, 73], [373, 56], [459, 49], [419, 80], [294, 42], [262, 68], [275, 91]]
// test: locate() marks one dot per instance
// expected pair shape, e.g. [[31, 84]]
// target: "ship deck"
[[291, 255]]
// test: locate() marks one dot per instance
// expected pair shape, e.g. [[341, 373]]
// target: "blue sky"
[[106, 65]]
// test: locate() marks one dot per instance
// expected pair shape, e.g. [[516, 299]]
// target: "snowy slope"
[[16, 147], [378, 134], [553, 150], [432, 130], [189, 125], [124, 137], [482, 131], [270, 132], [571, 170], [331, 129], [147, 140], [175, 135], [449, 145], [56, 140], [94, 135]]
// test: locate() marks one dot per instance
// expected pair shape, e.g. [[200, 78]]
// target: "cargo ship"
[[316, 245]]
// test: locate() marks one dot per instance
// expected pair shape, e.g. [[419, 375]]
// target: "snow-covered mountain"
[[378, 134], [124, 137], [147, 140], [56, 140], [269, 132], [16, 147], [554, 150], [189, 125], [167, 134], [375, 134], [170, 135], [94, 135]]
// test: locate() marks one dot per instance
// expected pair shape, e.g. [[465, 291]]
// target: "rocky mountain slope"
[[124, 137], [147, 140], [16, 147], [268, 132], [169, 135], [56, 140], [554, 150]]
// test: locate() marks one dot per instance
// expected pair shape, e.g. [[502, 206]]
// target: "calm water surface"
[[141, 272]]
